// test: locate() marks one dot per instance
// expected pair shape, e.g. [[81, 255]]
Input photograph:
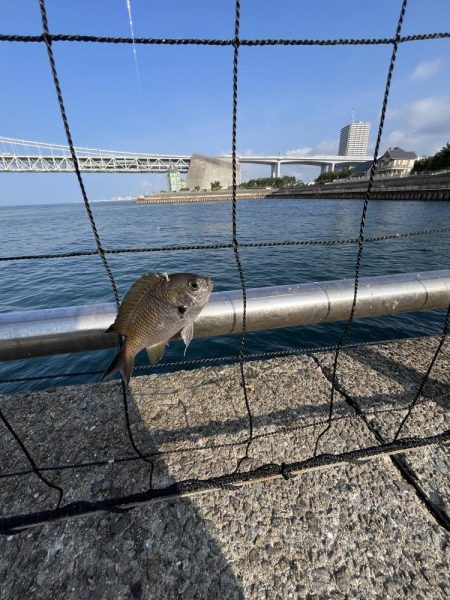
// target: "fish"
[[154, 309]]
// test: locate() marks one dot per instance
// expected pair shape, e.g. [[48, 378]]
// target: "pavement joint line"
[[438, 513]]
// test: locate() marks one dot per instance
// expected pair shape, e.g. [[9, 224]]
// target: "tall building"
[[354, 139]]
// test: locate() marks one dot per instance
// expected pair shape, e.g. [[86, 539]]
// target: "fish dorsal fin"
[[132, 300], [155, 353]]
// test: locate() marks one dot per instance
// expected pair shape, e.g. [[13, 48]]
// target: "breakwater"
[[187, 197]]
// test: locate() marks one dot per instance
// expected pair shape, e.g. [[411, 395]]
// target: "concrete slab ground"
[[364, 530], [394, 373]]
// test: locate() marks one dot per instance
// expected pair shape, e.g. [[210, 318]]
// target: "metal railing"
[[82, 328]]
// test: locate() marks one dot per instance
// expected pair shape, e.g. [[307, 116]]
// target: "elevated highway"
[[325, 162]]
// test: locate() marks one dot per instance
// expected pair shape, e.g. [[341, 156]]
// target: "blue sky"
[[291, 100]]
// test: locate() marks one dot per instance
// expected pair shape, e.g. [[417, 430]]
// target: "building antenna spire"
[[353, 115]]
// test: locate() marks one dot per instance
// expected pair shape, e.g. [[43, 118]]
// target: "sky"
[[292, 100]]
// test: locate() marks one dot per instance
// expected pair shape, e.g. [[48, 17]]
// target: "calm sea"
[[34, 284]]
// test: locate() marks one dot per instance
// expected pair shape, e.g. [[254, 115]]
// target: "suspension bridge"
[[25, 156]]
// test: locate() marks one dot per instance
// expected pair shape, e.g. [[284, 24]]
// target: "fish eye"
[[193, 285]]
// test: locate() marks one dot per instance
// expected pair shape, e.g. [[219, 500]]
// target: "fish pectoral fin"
[[155, 353], [187, 333]]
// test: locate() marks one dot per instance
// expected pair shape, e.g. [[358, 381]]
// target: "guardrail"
[[81, 328]]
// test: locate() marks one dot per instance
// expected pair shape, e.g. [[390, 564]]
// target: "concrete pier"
[[364, 530]]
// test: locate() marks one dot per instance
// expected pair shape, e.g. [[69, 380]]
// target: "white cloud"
[[326, 147], [422, 126], [246, 153], [429, 115], [323, 147], [426, 69], [306, 151], [391, 113]]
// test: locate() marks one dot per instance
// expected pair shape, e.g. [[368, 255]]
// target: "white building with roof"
[[396, 162]]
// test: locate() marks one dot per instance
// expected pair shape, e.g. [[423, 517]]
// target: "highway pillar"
[[275, 169]]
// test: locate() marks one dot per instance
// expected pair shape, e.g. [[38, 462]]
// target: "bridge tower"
[[173, 179]]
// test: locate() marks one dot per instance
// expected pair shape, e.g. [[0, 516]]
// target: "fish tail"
[[122, 362]]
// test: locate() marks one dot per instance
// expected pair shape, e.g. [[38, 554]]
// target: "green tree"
[[437, 162], [215, 186], [273, 182], [331, 176], [197, 188]]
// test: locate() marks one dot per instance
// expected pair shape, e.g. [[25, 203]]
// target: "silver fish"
[[156, 308]]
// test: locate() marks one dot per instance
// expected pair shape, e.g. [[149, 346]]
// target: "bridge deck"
[[36, 157]]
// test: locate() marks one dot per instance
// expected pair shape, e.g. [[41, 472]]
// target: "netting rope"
[[269, 470]]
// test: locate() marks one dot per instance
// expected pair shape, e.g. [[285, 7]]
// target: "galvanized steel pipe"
[[81, 328]]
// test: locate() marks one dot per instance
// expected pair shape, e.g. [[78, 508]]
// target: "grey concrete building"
[[203, 170]]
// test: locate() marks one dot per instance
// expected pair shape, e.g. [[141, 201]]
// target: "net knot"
[[47, 37]]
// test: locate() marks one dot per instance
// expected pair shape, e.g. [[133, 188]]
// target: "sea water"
[[57, 228]]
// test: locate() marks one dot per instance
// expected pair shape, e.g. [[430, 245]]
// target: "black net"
[[217, 450]]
